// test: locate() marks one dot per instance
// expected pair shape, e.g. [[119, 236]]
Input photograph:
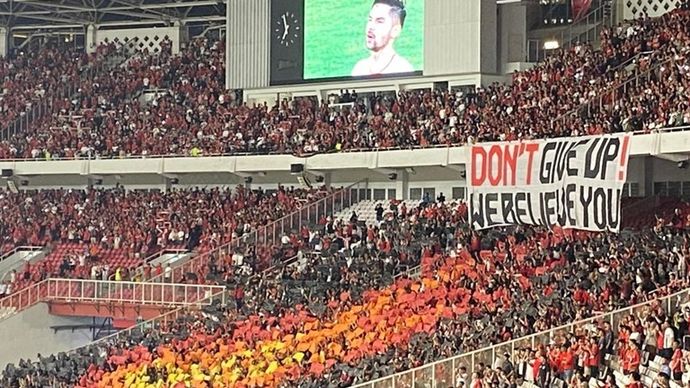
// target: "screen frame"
[[416, 73], [298, 6]]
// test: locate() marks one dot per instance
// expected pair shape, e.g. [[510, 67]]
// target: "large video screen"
[[354, 38], [325, 39]]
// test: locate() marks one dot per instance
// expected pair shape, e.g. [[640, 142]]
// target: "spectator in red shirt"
[[636, 381], [593, 358], [239, 297], [631, 358], [566, 363], [677, 362]]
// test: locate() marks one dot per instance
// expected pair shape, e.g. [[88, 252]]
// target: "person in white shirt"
[[386, 21], [167, 273], [237, 259], [669, 336], [461, 378]]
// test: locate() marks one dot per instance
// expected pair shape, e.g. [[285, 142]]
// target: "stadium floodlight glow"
[[551, 45]]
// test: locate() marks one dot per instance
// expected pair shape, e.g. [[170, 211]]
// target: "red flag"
[[580, 8]]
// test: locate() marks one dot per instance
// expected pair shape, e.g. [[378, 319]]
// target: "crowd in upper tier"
[[339, 315], [196, 116], [101, 226], [29, 77]]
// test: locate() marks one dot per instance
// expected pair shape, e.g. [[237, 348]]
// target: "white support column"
[[91, 38], [4, 41], [228, 59], [327, 179], [184, 31], [179, 35], [647, 182], [402, 185]]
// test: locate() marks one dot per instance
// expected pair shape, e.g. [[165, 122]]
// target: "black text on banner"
[[570, 182]]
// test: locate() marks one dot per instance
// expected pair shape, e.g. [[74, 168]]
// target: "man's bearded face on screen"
[[383, 27]]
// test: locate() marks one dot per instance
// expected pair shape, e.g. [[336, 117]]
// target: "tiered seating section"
[[644, 349], [339, 315], [647, 58], [30, 77], [660, 211], [115, 230]]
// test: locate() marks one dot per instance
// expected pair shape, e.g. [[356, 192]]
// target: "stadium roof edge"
[[71, 14]]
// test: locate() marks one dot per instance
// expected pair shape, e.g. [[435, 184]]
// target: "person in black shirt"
[[379, 212]]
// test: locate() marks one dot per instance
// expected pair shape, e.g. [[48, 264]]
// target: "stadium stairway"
[[366, 210]]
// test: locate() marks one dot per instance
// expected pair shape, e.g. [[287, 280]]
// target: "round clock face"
[[286, 29]]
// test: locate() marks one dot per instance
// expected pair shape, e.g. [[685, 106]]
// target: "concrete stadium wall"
[[28, 333]]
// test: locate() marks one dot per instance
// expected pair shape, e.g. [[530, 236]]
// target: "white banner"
[[573, 183]]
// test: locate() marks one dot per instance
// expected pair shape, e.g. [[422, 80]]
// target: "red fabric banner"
[[580, 8]]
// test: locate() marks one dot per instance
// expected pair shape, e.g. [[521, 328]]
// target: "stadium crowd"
[[139, 223], [72, 125], [647, 345], [346, 309], [198, 117], [107, 119], [45, 76], [34, 75], [338, 316]]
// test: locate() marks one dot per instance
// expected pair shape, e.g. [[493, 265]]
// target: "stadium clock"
[[287, 29]]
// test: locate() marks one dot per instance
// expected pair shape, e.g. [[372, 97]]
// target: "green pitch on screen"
[[334, 36]]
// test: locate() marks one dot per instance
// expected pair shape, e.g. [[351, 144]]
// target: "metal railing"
[[7, 267], [412, 273], [26, 297], [80, 290], [162, 252], [160, 321], [270, 235], [441, 374], [167, 294], [157, 323], [592, 23], [584, 30]]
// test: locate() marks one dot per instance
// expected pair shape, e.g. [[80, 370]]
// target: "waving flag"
[[580, 8]]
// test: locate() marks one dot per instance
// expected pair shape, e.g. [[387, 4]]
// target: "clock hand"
[[285, 27]]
